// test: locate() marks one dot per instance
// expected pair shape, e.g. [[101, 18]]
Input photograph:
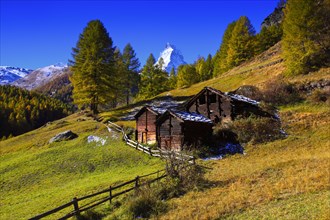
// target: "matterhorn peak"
[[172, 58], [168, 45]]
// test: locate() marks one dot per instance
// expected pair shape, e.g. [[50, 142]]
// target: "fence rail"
[[155, 153], [128, 186], [111, 194]]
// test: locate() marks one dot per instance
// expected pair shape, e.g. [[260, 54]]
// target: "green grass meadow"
[[37, 176]]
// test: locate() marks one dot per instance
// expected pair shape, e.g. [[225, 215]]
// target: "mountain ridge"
[[41, 76], [172, 58], [9, 74]]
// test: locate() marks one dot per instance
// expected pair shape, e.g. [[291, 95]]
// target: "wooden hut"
[[176, 129], [219, 106], [146, 124]]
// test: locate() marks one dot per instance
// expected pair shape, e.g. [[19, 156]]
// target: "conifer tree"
[[131, 64], [160, 63], [172, 81], [93, 67], [241, 45], [268, 37], [207, 69], [204, 68], [119, 79], [153, 79], [306, 31], [187, 75], [220, 59]]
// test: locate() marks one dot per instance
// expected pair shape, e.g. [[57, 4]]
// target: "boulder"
[[64, 136]]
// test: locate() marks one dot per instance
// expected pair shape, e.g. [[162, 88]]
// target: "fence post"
[[110, 197], [137, 182], [75, 206], [137, 145], [150, 151]]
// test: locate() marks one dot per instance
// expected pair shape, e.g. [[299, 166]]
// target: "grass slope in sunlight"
[[284, 179], [37, 176]]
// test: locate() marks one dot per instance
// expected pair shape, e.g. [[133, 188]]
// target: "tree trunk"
[[127, 96]]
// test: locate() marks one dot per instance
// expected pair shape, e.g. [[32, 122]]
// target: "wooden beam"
[[208, 104]]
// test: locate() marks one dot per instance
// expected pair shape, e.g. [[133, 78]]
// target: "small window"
[[213, 98], [202, 100]]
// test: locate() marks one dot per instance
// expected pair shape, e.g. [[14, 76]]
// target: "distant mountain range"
[[10, 74], [172, 58], [41, 76]]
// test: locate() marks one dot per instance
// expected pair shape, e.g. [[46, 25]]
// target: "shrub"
[[146, 203], [257, 130], [249, 91], [150, 201], [252, 129], [183, 176], [320, 96], [89, 215], [279, 92]]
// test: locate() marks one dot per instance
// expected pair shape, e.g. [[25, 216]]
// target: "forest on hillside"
[[22, 110]]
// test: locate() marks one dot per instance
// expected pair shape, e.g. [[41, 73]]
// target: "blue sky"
[[35, 33]]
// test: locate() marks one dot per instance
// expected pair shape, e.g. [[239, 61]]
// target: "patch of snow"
[[242, 98], [92, 138], [276, 116], [283, 133], [161, 105], [218, 157], [192, 116], [231, 148], [158, 110]]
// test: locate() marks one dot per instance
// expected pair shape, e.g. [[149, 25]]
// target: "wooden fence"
[[112, 192], [155, 153], [103, 196]]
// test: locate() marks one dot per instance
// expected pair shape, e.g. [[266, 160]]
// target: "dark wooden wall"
[[213, 106], [170, 134], [146, 128], [175, 134], [196, 133]]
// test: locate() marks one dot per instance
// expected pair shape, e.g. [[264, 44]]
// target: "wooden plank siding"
[[222, 107], [170, 134], [145, 126], [177, 134], [214, 106]]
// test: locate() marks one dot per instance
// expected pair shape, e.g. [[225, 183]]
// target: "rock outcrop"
[[64, 136], [274, 18]]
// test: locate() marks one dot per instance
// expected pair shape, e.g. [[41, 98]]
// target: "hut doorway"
[[144, 137], [168, 143]]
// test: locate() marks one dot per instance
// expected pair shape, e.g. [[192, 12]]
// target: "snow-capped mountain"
[[41, 76], [9, 74], [172, 57]]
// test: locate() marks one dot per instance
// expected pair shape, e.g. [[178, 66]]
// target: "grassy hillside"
[[37, 176], [284, 179]]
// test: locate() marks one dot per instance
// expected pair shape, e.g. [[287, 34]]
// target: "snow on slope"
[[40, 76], [9, 74], [172, 58]]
